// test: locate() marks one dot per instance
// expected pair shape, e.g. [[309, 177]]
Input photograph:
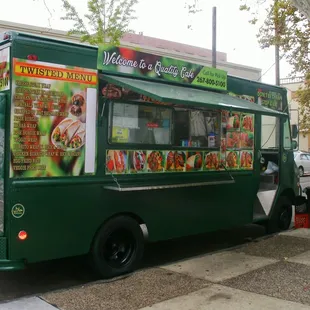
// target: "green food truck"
[[102, 149]]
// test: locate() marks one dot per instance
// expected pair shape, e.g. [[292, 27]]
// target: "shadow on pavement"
[[64, 273]]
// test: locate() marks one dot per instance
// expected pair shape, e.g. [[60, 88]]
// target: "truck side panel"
[[63, 214]]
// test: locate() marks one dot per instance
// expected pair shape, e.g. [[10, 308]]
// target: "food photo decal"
[[232, 160], [137, 161], [246, 160], [194, 161], [155, 161], [248, 122], [175, 161], [116, 161], [212, 161], [70, 133], [233, 121]]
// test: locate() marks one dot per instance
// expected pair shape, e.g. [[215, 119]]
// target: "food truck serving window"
[[187, 139], [197, 128], [150, 124], [141, 124]]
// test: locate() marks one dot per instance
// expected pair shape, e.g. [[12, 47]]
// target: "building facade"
[[151, 45], [292, 85]]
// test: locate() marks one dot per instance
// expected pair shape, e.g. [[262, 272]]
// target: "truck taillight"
[[276, 179], [6, 36], [22, 235]]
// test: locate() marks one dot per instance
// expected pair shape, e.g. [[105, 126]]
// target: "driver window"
[[287, 140], [270, 132]]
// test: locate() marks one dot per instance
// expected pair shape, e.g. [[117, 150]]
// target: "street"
[[65, 273]]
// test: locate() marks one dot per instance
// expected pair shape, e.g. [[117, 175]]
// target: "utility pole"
[[277, 61], [214, 37], [277, 47]]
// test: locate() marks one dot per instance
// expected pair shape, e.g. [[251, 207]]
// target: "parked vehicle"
[[95, 143], [302, 160]]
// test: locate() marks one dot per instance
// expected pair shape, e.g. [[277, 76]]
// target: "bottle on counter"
[[211, 139]]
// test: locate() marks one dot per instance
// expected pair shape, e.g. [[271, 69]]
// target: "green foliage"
[[252, 6], [105, 21], [285, 26], [303, 97]]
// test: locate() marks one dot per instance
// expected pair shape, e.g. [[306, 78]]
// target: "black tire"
[[281, 217], [117, 247], [301, 171]]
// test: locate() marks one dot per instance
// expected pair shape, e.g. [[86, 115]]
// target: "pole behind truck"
[[95, 143]]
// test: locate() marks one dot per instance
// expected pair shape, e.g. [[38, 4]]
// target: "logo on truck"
[[18, 210]]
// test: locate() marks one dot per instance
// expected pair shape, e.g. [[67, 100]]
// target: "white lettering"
[[142, 64], [187, 74], [118, 60], [171, 70]]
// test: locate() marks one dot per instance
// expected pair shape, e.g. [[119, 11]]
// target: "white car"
[[302, 160]]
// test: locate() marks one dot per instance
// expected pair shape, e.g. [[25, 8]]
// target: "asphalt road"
[[65, 273]]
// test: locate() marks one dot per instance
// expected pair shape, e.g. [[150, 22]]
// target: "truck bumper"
[[8, 265], [5, 263]]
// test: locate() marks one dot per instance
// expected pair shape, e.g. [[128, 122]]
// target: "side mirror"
[[294, 131], [294, 144]]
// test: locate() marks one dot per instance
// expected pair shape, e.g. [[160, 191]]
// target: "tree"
[[105, 21], [303, 6], [192, 7], [287, 27]]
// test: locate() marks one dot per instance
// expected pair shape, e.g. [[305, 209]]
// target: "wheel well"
[[289, 193], [301, 167], [134, 216]]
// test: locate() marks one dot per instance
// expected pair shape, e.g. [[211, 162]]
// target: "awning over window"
[[189, 96]]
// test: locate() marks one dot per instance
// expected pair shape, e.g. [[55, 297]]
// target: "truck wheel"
[[282, 216], [117, 247]]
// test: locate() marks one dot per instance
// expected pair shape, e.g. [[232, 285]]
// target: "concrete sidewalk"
[[271, 273]]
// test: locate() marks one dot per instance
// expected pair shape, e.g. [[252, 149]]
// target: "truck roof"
[[257, 83], [16, 35]]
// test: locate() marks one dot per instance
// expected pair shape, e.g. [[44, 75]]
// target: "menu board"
[[53, 120]]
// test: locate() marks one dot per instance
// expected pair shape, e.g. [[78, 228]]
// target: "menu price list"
[[34, 102]]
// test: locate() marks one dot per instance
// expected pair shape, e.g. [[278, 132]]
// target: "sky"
[[167, 19]]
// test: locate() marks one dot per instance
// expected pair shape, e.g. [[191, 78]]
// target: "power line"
[[50, 14], [269, 68]]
